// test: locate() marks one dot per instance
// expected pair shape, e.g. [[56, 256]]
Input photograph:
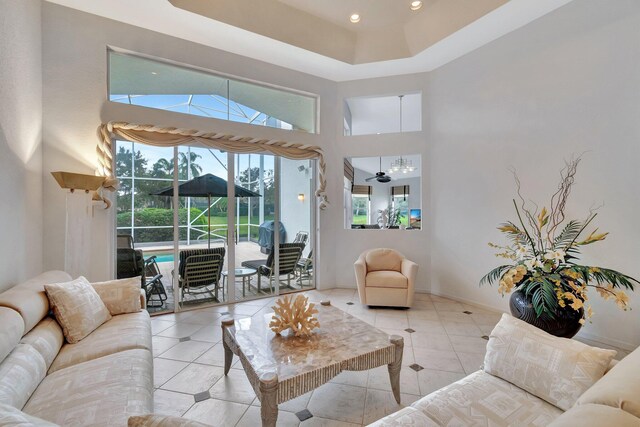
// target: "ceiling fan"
[[380, 176]]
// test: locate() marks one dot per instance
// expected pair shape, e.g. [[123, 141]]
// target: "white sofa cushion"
[[386, 279], [29, 299], [122, 332], [619, 388], [77, 307], [120, 296], [13, 417], [557, 370], [481, 399], [20, 373], [595, 415], [405, 417], [12, 330], [101, 392], [47, 338]]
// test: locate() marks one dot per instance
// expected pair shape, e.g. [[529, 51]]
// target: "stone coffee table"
[[281, 368]]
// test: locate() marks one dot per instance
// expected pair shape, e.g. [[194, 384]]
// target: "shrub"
[[153, 217]]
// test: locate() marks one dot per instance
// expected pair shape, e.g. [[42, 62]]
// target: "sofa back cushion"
[[12, 328], [29, 298], [619, 388], [383, 259], [557, 370], [77, 307], [20, 374], [595, 415], [47, 338]]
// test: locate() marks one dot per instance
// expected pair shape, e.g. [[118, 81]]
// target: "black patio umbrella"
[[207, 185]]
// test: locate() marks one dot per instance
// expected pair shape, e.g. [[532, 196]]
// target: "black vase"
[[565, 324]]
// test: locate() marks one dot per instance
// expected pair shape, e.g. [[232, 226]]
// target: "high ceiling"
[[316, 37], [371, 165]]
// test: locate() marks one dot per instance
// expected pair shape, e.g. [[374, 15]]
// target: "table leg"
[[228, 354], [244, 280], [394, 368], [268, 399]]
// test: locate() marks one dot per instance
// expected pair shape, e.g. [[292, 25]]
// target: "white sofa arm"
[[360, 267], [409, 269]]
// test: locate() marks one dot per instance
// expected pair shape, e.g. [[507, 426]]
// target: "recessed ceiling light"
[[154, 73], [415, 5], [355, 18]]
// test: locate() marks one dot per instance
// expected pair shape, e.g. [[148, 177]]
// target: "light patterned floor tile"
[[438, 360], [458, 328], [431, 380], [379, 380], [252, 418], [162, 344], [234, 387], [171, 403], [165, 369], [217, 412], [194, 379], [431, 341], [180, 330], [187, 351], [338, 402]]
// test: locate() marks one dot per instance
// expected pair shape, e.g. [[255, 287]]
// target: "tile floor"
[[444, 341]]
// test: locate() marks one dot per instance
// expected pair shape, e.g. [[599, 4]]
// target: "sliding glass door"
[[244, 230]]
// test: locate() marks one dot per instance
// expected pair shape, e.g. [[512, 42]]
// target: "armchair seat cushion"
[[386, 279]]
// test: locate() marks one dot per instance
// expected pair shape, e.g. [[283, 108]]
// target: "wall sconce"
[[301, 197]]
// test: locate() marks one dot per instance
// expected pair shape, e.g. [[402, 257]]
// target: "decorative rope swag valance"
[[171, 137]]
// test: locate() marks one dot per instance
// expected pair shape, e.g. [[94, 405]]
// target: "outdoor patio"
[[245, 251]]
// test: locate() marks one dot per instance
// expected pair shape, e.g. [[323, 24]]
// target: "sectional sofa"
[[100, 381]]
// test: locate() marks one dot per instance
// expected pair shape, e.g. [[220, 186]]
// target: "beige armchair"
[[386, 278]]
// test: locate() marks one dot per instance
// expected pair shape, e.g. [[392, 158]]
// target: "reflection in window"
[[155, 84], [377, 195]]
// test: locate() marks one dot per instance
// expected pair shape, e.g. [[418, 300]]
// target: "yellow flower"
[[543, 218], [589, 312], [576, 303], [508, 228], [593, 237], [622, 300], [605, 293], [581, 321]]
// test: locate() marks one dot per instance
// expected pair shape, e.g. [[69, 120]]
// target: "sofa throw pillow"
[[14, 417], [120, 296], [557, 370], [77, 307]]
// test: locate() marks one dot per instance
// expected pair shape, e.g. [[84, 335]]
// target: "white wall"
[[75, 103], [20, 141], [565, 84]]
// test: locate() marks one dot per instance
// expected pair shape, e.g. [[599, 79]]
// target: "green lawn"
[[219, 225], [359, 219]]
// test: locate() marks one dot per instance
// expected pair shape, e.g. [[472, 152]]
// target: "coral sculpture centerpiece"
[[296, 315]]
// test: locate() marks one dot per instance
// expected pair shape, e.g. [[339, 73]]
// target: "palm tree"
[[188, 166]]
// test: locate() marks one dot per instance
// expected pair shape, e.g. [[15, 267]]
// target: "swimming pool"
[[160, 257]]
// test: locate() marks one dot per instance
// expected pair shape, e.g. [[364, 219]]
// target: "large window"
[[156, 84]]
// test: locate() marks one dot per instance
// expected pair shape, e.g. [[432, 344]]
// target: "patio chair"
[[305, 269], [130, 263], [153, 283], [124, 241], [199, 269], [301, 237], [289, 255]]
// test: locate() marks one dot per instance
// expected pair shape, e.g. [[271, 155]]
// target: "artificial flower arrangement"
[[544, 253]]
